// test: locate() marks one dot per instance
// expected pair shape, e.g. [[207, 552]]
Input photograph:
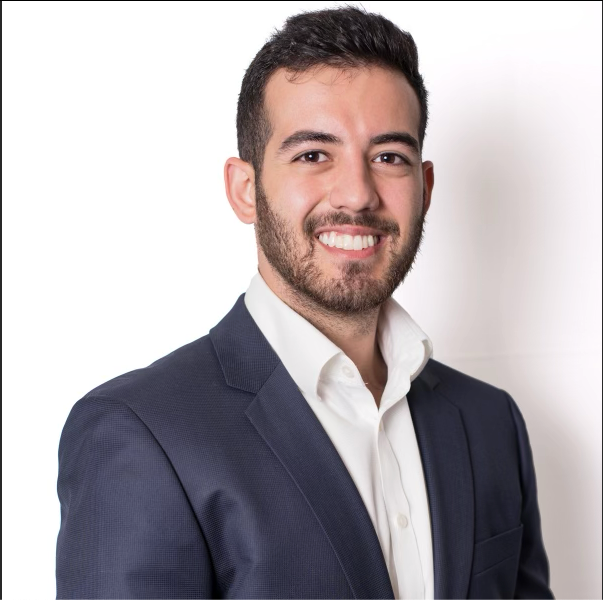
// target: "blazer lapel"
[[449, 479], [284, 419], [290, 428]]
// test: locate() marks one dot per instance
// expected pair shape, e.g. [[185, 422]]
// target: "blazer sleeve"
[[533, 574], [127, 528]]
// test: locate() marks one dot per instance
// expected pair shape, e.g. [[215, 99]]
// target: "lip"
[[364, 253]]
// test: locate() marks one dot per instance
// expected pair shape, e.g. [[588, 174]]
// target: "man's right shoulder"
[[167, 383]]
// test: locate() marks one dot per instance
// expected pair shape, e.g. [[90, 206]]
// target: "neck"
[[354, 334]]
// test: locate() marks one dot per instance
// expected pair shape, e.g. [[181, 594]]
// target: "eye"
[[391, 158], [310, 157]]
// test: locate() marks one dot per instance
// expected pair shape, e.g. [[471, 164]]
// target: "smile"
[[353, 246], [348, 242]]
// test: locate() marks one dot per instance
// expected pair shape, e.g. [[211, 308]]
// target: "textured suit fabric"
[[207, 475], [376, 441]]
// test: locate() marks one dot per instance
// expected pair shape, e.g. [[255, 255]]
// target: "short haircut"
[[347, 37]]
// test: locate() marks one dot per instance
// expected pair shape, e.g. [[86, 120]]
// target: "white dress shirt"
[[377, 444]]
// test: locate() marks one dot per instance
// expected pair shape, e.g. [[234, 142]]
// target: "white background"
[[119, 244]]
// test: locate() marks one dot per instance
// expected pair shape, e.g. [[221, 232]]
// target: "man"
[[309, 446]]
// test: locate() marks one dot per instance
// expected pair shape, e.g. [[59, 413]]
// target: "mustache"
[[368, 220]]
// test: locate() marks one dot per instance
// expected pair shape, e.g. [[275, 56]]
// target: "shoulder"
[[184, 367], [479, 402], [454, 381], [186, 377]]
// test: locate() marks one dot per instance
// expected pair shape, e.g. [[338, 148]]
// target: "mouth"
[[350, 246]]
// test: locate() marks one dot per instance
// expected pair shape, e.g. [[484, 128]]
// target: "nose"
[[354, 187]]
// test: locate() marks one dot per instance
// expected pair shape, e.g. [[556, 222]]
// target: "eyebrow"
[[306, 135], [397, 137]]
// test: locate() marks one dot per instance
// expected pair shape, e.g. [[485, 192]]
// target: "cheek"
[[296, 197], [401, 198]]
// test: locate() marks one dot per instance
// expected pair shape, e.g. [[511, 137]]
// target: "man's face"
[[357, 183]]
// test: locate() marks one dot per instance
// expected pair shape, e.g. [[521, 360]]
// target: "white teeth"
[[348, 242]]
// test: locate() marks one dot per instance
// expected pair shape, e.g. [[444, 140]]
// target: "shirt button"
[[347, 371], [402, 521], [381, 425]]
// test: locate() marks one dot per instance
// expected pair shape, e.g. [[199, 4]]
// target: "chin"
[[357, 296]]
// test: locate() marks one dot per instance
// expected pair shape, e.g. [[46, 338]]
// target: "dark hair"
[[347, 37]]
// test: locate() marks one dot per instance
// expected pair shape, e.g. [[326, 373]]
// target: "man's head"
[[331, 122], [344, 38]]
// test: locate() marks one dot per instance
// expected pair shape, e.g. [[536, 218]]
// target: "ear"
[[239, 179], [428, 181]]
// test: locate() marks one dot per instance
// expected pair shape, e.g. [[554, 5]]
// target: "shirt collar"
[[302, 348], [305, 351], [405, 347]]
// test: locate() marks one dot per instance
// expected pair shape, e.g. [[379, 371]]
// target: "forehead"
[[357, 102]]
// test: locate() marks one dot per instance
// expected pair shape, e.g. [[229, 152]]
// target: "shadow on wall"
[[511, 319]]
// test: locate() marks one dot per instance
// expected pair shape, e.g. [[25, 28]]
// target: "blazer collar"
[[290, 428], [244, 353]]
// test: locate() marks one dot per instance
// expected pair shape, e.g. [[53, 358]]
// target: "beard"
[[356, 290]]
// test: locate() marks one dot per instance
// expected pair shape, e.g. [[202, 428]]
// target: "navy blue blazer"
[[208, 475]]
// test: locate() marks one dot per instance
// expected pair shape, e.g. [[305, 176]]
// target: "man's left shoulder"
[[472, 396]]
